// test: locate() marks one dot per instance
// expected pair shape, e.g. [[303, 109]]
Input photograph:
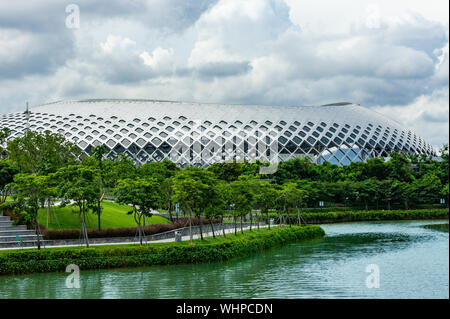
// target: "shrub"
[[56, 259], [51, 234]]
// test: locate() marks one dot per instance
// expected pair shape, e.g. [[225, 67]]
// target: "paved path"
[[195, 236]]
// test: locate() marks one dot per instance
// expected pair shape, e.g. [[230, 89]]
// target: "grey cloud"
[[223, 69]]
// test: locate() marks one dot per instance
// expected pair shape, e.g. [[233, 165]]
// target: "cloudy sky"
[[391, 56]]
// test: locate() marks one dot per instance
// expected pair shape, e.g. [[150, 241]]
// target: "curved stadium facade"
[[202, 134]]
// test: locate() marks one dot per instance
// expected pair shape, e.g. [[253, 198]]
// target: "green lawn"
[[113, 216]]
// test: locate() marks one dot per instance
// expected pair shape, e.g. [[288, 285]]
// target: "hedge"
[[52, 234], [214, 250], [369, 215]]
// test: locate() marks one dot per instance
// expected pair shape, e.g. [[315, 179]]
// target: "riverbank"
[[353, 216], [209, 250]]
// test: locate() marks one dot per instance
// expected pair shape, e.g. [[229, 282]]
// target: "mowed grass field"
[[113, 216]]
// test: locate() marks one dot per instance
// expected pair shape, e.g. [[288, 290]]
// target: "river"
[[412, 262]]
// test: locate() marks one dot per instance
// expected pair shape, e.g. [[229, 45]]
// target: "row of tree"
[[40, 169]]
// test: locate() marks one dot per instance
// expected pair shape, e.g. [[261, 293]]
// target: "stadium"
[[201, 134]]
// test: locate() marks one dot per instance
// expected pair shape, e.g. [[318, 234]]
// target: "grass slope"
[[113, 216]]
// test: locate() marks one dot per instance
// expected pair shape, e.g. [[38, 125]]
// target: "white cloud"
[[390, 55]]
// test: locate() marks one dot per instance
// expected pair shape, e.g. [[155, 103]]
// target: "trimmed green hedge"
[[210, 250], [370, 215]]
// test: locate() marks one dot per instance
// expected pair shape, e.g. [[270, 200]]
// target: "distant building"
[[202, 134]]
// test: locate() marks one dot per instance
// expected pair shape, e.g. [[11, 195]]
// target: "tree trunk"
[[268, 220], [251, 220], [223, 227], [366, 204], [242, 230], [85, 229], [140, 229], [38, 233], [212, 227], [99, 214], [235, 225], [201, 228], [190, 225]]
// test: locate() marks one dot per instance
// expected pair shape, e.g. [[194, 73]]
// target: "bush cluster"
[[56, 259], [51, 234], [369, 215]]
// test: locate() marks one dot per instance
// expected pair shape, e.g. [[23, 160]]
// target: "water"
[[413, 262]]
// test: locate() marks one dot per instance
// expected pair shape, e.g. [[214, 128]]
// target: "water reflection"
[[413, 263]]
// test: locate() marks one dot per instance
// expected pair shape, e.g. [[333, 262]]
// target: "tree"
[[265, 198], [82, 185], [444, 192], [41, 154], [242, 198], [143, 194], [293, 199], [4, 135], [366, 190], [30, 194], [98, 153], [204, 185], [7, 172], [190, 193], [428, 189]]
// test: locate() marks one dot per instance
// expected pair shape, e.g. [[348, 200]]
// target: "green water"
[[413, 262]]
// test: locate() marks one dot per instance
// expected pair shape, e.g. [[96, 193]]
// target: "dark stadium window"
[[323, 124], [302, 134], [336, 125], [311, 140], [337, 140], [160, 124], [130, 125], [292, 128], [148, 135], [166, 118], [315, 134], [268, 122], [124, 131], [297, 123], [238, 122], [145, 124], [324, 140], [117, 136], [352, 135], [297, 140], [283, 123], [310, 124], [263, 128], [282, 140], [344, 130], [132, 136], [170, 128], [288, 134], [341, 135], [116, 126], [207, 123], [139, 130], [95, 132], [154, 129], [253, 123], [163, 134], [89, 138], [349, 140], [278, 128], [332, 129], [306, 128], [103, 137], [329, 134], [151, 119]]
